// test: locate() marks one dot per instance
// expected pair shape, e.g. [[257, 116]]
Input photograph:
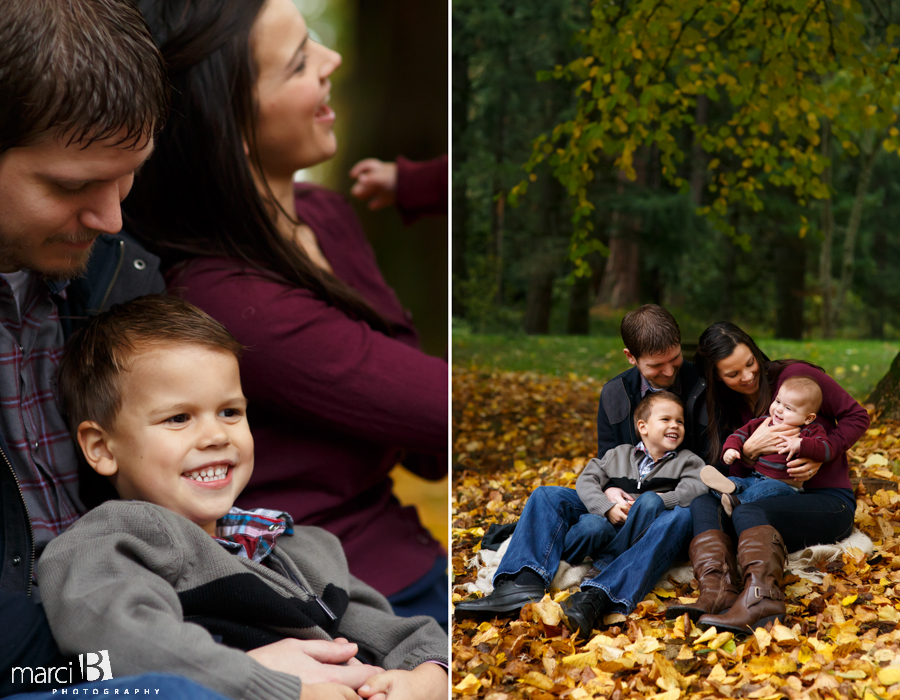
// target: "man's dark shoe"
[[583, 609], [507, 600]]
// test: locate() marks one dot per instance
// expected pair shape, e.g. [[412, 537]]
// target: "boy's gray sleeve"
[[689, 484], [104, 588], [393, 642], [591, 483]]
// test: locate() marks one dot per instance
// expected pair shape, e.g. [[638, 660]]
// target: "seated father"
[[653, 345]]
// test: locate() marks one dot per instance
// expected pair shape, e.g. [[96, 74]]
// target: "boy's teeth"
[[208, 474]]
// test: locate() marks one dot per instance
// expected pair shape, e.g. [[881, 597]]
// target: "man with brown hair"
[[83, 90]]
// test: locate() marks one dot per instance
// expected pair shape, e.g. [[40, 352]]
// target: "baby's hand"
[[618, 514], [376, 182], [730, 456], [790, 446], [425, 682]]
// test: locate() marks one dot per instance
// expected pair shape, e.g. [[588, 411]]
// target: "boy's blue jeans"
[[542, 538], [758, 486]]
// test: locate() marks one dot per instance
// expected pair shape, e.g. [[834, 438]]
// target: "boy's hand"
[[316, 661], [327, 691], [376, 182], [617, 495], [730, 456], [424, 682], [618, 514], [790, 446]]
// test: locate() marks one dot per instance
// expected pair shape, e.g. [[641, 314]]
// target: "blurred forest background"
[[390, 97], [798, 268]]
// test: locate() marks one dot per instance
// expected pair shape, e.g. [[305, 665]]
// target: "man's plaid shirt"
[[41, 451]]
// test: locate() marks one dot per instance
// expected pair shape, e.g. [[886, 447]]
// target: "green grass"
[[856, 364]]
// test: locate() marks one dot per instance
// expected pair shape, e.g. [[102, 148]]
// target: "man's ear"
[[93, 441], [632, 360]]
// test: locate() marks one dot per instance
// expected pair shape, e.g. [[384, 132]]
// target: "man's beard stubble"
[[11, 255]]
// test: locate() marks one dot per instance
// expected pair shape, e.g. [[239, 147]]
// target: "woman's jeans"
[[802, 519], [553, 527]]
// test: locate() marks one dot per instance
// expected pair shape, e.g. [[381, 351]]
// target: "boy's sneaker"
[[583, 609], [506, 600]]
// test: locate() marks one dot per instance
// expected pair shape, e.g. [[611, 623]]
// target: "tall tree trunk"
[[876, 306], [698, 155], [827, 219], [578, 321], [886, 396], [621, 286], [729, 271], [460, 109], [869, 153], [790, 271], [539, 299]]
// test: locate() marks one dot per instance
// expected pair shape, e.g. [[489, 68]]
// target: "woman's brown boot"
[[761, 553], [715, 569]]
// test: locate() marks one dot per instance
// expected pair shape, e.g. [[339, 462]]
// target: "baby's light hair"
[[645, 406], [808, 388], [95, 357]]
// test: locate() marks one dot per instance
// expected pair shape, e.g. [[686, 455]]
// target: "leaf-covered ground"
[[515, 431]]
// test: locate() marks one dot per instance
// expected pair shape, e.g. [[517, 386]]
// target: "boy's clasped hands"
[[331, 671]]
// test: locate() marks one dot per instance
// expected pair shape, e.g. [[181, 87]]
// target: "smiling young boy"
[[796, 405], [172, 577], [585, 522]]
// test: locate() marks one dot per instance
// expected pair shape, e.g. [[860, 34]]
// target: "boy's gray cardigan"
[[126, 576], [676, 479]]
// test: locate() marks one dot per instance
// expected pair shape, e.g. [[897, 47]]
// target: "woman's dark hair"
[[196, 196], [716, 343]]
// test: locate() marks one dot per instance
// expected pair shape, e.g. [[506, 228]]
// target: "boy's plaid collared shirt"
[[647, 462], [252, 533], [41, 450]]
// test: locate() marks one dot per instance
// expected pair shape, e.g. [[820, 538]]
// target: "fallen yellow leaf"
[[889, 676], [849, 600], [538, 680], [469, 685]]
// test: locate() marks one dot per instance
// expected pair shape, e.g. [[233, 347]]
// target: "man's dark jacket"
[[620, 396], [119, 270]]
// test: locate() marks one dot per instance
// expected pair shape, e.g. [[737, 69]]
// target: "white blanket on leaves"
[[803, 563]]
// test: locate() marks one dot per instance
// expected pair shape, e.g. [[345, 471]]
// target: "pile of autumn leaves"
[[841, 639]]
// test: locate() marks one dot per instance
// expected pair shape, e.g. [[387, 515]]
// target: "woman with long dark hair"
[[740, 384], [339, 391]]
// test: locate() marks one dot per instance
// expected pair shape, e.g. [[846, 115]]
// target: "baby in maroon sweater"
[[796, 404]]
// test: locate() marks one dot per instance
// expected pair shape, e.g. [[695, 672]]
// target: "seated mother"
[[339, 391], [740, 384]]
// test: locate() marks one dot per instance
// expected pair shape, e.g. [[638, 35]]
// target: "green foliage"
[[779, 70]]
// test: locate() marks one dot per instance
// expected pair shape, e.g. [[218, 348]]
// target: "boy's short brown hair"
[[645, 407], [649, 330], [97, 354], [807, 386]]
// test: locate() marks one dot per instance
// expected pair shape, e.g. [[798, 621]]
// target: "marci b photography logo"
[[92, 666]]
